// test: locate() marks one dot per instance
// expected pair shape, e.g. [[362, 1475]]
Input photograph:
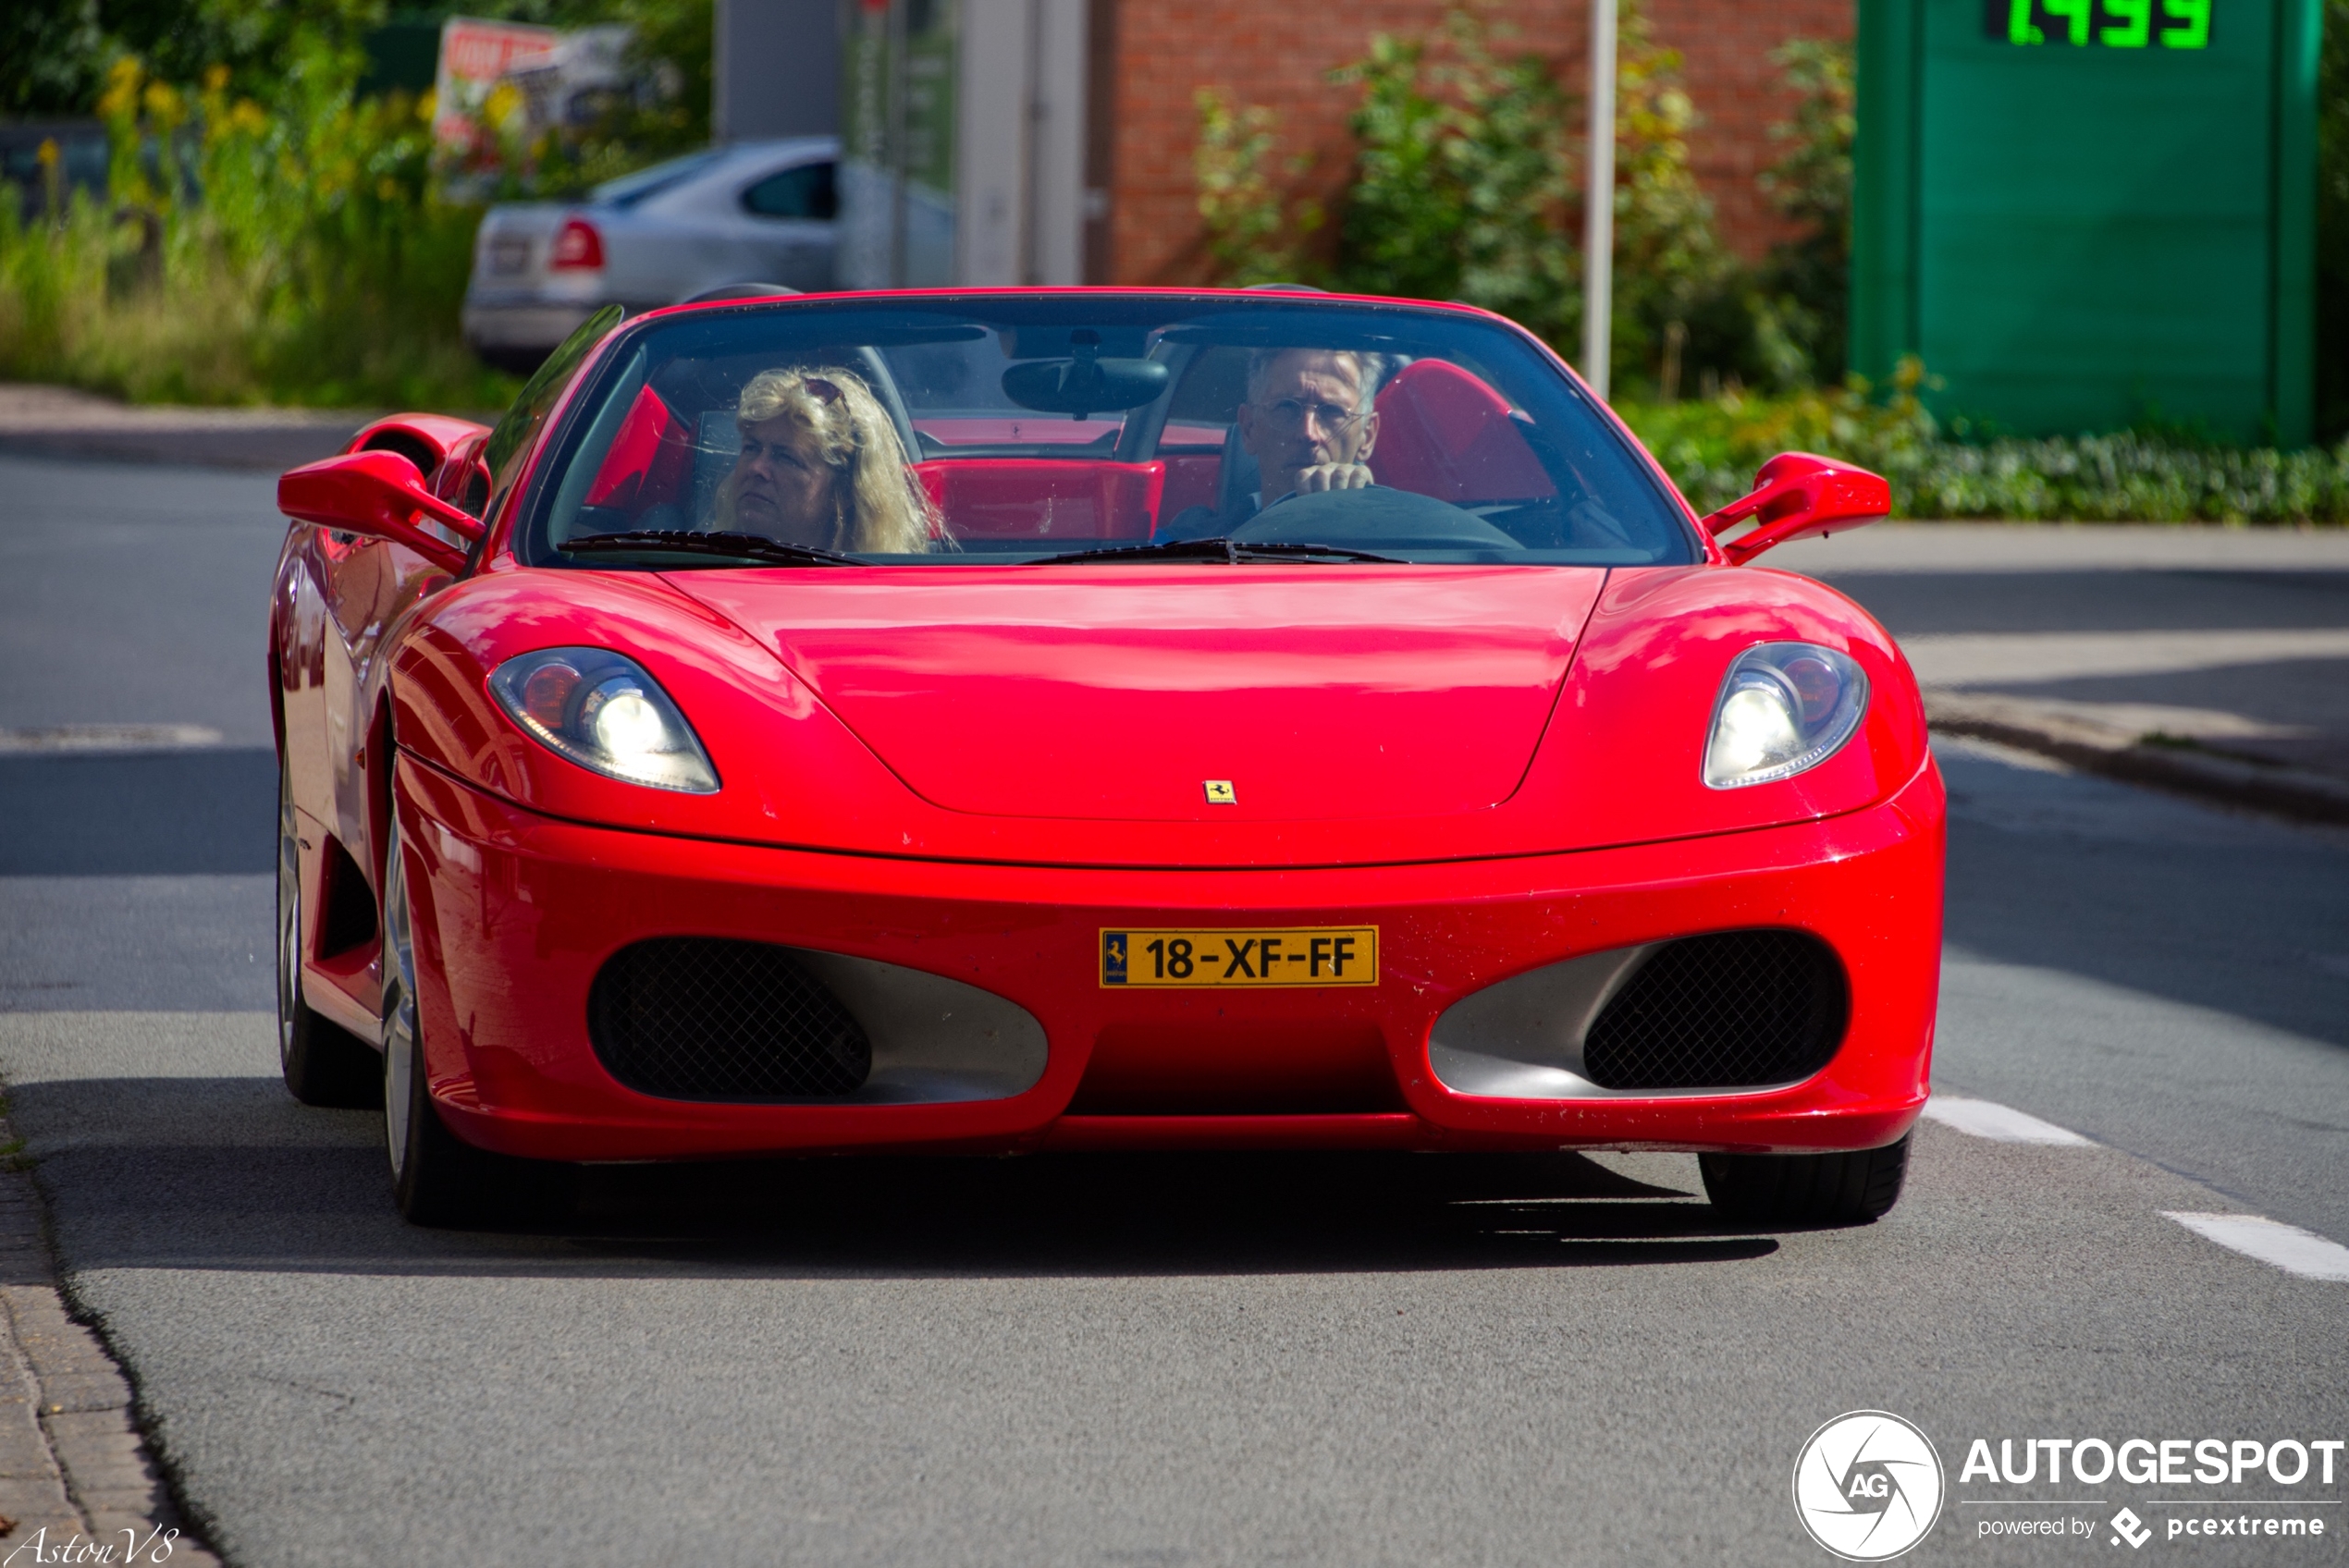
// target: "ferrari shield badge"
[[1219, 792]]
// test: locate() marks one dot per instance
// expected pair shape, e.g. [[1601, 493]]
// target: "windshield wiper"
[[1221, 548], [734, 546]]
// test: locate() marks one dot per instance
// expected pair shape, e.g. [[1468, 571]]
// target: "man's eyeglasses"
[[1289, 415]]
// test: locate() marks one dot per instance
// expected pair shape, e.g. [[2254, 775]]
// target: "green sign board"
[[2086, 213]]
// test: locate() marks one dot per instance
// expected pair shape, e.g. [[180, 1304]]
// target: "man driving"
[[1309, 423]]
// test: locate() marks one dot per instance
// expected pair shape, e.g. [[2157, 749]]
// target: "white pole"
[[1598, 202]]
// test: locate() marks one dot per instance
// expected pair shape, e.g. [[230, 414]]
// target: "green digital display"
[[2110, 24]]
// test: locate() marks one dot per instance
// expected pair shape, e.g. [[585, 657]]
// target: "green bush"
[[1463, 186], [1712, 446], [295, 252], [1460, 189], [273, 234], [1800, 294], [1253, 234]]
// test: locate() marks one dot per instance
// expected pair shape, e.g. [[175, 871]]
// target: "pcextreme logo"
[[1868, 1485]]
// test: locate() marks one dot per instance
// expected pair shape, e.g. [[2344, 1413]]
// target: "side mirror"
[[1797, 494], [382, 496]]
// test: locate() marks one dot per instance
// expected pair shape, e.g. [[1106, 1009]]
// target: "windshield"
[[968, 429]]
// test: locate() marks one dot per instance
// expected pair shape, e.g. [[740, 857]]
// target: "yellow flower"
[[504, 102], [428, 106], [387, 188], [122, 96], [215, 78]]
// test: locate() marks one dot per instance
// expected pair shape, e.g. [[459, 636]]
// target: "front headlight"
[[603, 712], [1784, 707]]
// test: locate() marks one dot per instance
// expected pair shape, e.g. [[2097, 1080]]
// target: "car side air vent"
[[693, 1018], [1734, 1009]]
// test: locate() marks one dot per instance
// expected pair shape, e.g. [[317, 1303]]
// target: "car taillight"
[[578, 247]]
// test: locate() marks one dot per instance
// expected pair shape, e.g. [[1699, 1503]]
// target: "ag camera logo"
[[1868, 1485]]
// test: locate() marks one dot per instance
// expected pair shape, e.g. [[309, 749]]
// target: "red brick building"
[[1149, 59]]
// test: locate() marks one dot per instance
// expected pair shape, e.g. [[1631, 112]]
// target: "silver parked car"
[[756, 211]]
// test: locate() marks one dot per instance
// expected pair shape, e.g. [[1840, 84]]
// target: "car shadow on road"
[[269, 1185], [1158, 1213]]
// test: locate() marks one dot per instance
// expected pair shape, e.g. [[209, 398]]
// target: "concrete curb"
[[58, 422], [2184, 767], [75, 1471], [259, 449]]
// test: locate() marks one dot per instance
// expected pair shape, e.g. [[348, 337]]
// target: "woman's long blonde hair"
[[879, 505]]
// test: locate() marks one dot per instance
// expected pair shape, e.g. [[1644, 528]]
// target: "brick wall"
[[1280, 55]]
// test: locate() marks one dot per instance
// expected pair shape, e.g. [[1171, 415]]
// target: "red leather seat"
[[1443, 433], [649, 460]]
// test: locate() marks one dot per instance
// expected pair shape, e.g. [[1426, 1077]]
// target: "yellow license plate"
[[1296, 955]]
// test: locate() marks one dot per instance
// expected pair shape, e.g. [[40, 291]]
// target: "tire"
[[324, 1064], [1806, 1189], [438, 1179]]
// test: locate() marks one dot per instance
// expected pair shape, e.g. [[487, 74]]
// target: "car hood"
[[1121, 692]]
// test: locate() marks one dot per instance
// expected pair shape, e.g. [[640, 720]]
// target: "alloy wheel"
[[289, 922], [400, 1011]]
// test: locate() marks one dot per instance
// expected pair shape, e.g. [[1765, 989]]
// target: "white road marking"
[[2287, 1247], [1999, 1123], [109, 737]]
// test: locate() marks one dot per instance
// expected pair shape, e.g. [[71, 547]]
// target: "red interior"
[[1443, 432], [1012, 430], [650, 459], [1190, 481], [1045, 497]]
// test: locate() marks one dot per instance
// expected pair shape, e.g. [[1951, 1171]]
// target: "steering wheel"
[[1370, 517]]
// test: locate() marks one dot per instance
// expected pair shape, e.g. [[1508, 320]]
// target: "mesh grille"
[[692, 1018], [1732, 1011]]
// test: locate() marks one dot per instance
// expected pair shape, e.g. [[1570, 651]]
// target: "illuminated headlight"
[[1784, 707], [602, 711]]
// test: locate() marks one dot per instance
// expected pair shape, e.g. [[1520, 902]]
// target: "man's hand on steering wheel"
[[1332, 477]]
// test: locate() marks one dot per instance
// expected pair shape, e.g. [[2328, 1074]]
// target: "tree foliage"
[[1462, 180], [291, 250], [1676, 284], [56, 56], [1804, 286], [1254, 233]]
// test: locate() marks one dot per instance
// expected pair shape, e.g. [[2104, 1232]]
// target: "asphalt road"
[[1231, 1360]]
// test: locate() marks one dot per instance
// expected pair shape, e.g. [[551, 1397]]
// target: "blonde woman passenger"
[[821, 465]]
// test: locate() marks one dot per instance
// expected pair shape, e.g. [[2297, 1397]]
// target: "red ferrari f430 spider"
[[1057, 720]]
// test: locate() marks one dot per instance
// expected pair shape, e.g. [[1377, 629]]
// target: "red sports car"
[[1088, 719]]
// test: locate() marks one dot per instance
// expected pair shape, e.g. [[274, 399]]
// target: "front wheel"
[[438, 1179], [1806, 1189]]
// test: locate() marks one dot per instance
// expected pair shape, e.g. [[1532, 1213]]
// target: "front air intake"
[[694, 1018], [1735, 1009]]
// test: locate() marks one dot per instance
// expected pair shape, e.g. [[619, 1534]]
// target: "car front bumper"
[[515, 912]]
